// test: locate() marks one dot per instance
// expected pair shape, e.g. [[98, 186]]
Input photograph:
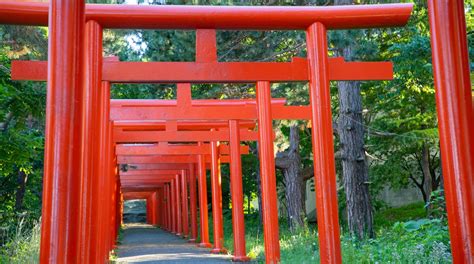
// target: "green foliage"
[[21, 138], [389, 216], [401, 114], [437, 205], [407, 237], [421, 241]]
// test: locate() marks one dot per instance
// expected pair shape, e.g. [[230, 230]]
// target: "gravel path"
[[145, 244]]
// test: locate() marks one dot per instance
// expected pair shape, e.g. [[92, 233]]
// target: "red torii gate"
[[211, 150], [271, 228], [206, 55], [184, 99], [236, 185], [179, 137], [185, 103], [451, 78]]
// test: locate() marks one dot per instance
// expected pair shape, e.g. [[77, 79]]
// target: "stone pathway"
[[146, 244]]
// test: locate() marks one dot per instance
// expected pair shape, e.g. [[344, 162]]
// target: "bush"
[[405, 238], [415, 241]]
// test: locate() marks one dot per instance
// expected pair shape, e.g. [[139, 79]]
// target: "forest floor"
[[143, 243]]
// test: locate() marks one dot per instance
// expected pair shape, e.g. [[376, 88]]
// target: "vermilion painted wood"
[[129, 183], [165, 211], [217, 217], [142, 179], [148, 210], [193, 202], [159, 205], [456, 126], [238, 224], [179, 205], [144, 184], [166, 159], [102, 201], [202, 185], [174, 226], [323, 146], [209, 60], [156, 149], [105, 184], [154, 199], [206, 45], [160, 166], [207, 113], [136, 195], [121, 136], [141, 188], [181, 125], [149, 172], [239, 72], [169, 207], [120, 211], [219, 17], [194, 102], [217, 72], [90, 145], [184, 203], [177, 209], [112, 184], [267, 174], [60, 224]]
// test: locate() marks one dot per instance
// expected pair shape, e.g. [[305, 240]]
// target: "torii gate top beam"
[[151, 188], [216, 72], [136, 195], [219, 17], [176, 159], [180, 125]]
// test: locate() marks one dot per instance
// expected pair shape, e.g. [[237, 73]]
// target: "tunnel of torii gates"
[[166, 146]]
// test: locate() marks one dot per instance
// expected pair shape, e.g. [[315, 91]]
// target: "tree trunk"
[[294, 185], [428, 180], [289, 162], [354, 165], [20, 192]]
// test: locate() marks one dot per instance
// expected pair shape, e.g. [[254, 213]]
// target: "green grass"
[[113, 255], [23, 247], [404, 235], [390, 216]]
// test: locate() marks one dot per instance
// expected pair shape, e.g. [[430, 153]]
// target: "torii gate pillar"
[[217, 216], [323, 145], [62, 163], [179, 218], [455, 115], [267, 174], [238, 223], [193, 202], [203, 209], [184, 203]]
